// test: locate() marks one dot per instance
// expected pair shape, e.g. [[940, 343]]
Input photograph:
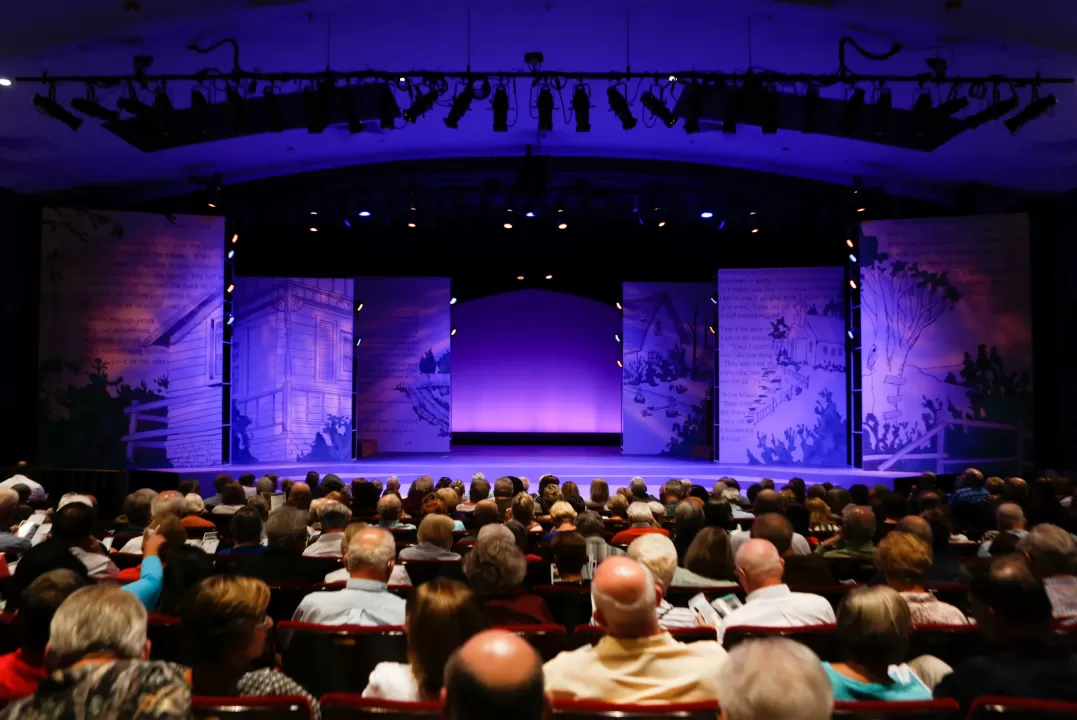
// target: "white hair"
[[657, 554], [774, 678], [69, 498], [525, 482], [640, 512], [171, 504], [193, 504], [496, 529], [8, 498], [98, 618], [619, 614], [369, 554], [478, 476], [392, 479], [657, 509]]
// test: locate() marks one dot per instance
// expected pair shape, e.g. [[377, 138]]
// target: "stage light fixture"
[[661, 223], [752, 212], [529, 214], [453, 331], [690, 104], [581, 108], [618, 305], [501, 109], [706, 214], [212, 205], [357, 341], [755, 230], [1033, 110], [314, 229], [313, 212], [316, 103], [658, 108], [411, 225], [271, 106], [133, 106], [55, 110], [853, 107], [952, 105], [231, 254], [235, 238], [364, 213], [519, 277], [861, 209], [714, 298], [711, 328], [995, 111], [852, 284], [619, 106], [452, 301], [620, 364], [549, 277], [768, 110], [729, 115], [811, 110], [849, 242], [231, 319], [347, 223], [507, 226], [545, 110], [5, 82], [230, 288], [923, 114], [162, 110], [852, 258], [880, 123], [237, 109], [562, 226], [421, 105], [460, 105], [617, 337], [91, 108], [359, 307], [386, 109]]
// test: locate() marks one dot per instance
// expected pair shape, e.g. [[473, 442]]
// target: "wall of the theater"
[[782, 381], [131, 339], [946, 327]]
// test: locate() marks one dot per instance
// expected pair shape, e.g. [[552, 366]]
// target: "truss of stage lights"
[[255, 102]]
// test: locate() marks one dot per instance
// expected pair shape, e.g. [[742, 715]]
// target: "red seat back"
[[9, 641], [273, 707], [570, 605], [328, 658], [949, 643], [165, 634], [423, 571], [1006, 708], [820, 638], [548, 640], [914, 710], [346, 706], [588, 710]]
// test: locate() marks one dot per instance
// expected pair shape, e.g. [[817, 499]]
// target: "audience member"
[[970, 488], [246, 527], [857, 532], [641, 521], [9, 508], [300, 496], [219, 484], [495, 568], [184, 567], [232, 499], [389, 513], [1013, 611], [774, 678], [1010, 519], [688, 520], [658, 555], [551, 495], [617, 506], [37, 492], [168, 503], [282, 560], [946, 565], [366, 599], [769, 602], [638, 489], [435, 539], [589, 524], [519, 535], [494, 675], [266, 485], [479, 491], [485, 513], [600, 495], [708, 562], [570, 491], [636, 661], [563, 518], [522, 511], [440, 619], [335, 518], [905, 560], [873, 629], [808, 569], [137, 511], [98, 649], [838, 499], [1051, 552], [311, 481], [503, 494], [72, 526], [193, 509], [569, 550]]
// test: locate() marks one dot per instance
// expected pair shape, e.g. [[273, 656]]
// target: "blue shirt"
[[148, 586], [906, 686], [360, 602], [969, 495]]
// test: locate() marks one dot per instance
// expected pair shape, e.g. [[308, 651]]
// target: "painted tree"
[[428, 364]]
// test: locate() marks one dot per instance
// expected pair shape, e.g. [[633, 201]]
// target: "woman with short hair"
[[709, 560], [905, 560], [600, 495], [563, 518]]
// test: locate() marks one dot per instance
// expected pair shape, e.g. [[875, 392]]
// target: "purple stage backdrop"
[[536, 361], [403, 366]]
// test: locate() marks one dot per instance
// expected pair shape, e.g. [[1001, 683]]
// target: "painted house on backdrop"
[[656, 329], [187, 423], [292, 365], [817, 339]]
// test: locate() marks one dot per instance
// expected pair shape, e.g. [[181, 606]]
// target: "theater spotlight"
[[501, 109], [519, 277], [453, 332], [231, 319], [507, 226], [91, 108], [359, 307], [661, 223], [714, 298], [768, 110], [620, 108], [880, 123], [952, 105], [271, 105], [617, 337], [5, 82], [133, 106], [545, 110], [658, 109], [853, 107], [1033, 110], [412, 225], [230, 288], [421, 105], [162, 109], [235, 238], [852, 284], [706, 214], [711, 328], [997, 110], [231, 254], [549, 277], [620, 364], [55, 110], [562, 226], [357, 341], [849, 242], [581, 108], [460, 105], [852, 258], [452, 301], [618, 305], [811, 110]]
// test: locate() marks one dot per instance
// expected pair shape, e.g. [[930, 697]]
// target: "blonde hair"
[[221, 611], [873, 625], [449, 497], [442, 616], [818, 511], [349, 533], [437, 530], [561, 511], [903, 557]]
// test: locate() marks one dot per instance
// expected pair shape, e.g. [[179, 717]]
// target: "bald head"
[[918, 526], [168, 502], [485, 513], [300, 496], [493, 675], [759, 565], [767, 501], [776, 529], [1009, 516], [857, 524], [625, 597]]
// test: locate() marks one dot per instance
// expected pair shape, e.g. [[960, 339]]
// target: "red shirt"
[[20, 673], [625, 537], [193, 521]]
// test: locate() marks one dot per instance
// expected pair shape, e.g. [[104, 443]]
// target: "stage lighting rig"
[[501, 109], [658, 108], [162, 110], [620, 108], [132, 105], [200, 111], [581, 107], [545, 109], [881, 113], [422, 104], [853, 107], [460, 105], [1037, 107], [56, 111], [89, 107]]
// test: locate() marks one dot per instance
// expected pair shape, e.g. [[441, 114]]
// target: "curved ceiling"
[[984, 37]]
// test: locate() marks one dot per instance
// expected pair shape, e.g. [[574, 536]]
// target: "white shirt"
[[778, 606], [739, 537], [36, 491], [327, 545], [392, 681], [98, 566], [399, 577]]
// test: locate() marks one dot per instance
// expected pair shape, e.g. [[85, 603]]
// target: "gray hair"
[[364, 554], [658, 510], [170, 504], [657, 554], [494, 530], [1009, 516], [1049, 549], [286, 524], [774, 678], [858, 523], [98, 618], [495, 566], [436, 530], [478, 476], [638, 486], [335, 515], [266, 484], [621, 614], [640, 512], [193, 504]]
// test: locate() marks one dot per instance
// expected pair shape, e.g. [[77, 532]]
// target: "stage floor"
[[579, 464]]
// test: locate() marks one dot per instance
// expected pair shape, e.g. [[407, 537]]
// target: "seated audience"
[[399, 576], [819, 519], [617, 506], [97, 653], [232, 499], [137, 510], [435, 539], [479, 491], [389, 513], [168, 503], [246, 481], [569, 550], [970, 488], [282, 560], [37, 492], [641, 522], [246, 529], [9, 510], [23, 669], [228, 629], [551, 494], [503, 494], [570, 491], [193, 509], [600, 495], [637, 488], [168, 527], [185, 567], [434, 505], [1009, 519], [1051, 552], [441, 618], [417, 492], [522, 511], [494, 675], [563, 518], [905, 559], [636, 661], [708, 562], [589, 524], [266, 485], [521, 537], [72, 526], [1013, 611], [451, 501], [873, 628], [495, 568], [219, 484], [774, 678], [934, 526], [769, 502], [335, 518], [769, 602], [855, 539], [366, 599], [688, 520], [809, 569], [300, 495], [658, 555]]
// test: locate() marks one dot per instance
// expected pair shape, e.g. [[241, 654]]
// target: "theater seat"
[[274, 707], [949, 643], [423, 571], [548, 640], [820, 638], [337, 658], [570, 605], [914, 710], [346, 706], [1005, 708], [9, 641], [588, 710], [284, 599], [165, 634]]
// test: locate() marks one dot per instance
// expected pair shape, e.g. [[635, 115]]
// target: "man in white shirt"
[[335, 519], [366, 599], [637, 661], [37, 493], [769, 602]]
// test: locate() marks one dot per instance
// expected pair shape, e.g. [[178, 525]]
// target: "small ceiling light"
[[411, 225], [211, 205], [364, 213], [357, 341], [850, 334], [752, 212], [852, 284], [562, 226], [5, 82], [706, 214], [755, 230], [714, 298], [359, 307], [347, 223], [711, 328], [519, 277], [618, 305], [453, 331], [661, 223], [529, 214], [230, 288], [507, 226], [549, 277], [852, 258], [620, 364], [231, 319], [313, 212], [314, 229], [235, 238], [861, 209], [452, 301], [231, 254], [849, 242], [617, 337]]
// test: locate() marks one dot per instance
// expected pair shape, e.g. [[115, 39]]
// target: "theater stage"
[[579, 464]]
